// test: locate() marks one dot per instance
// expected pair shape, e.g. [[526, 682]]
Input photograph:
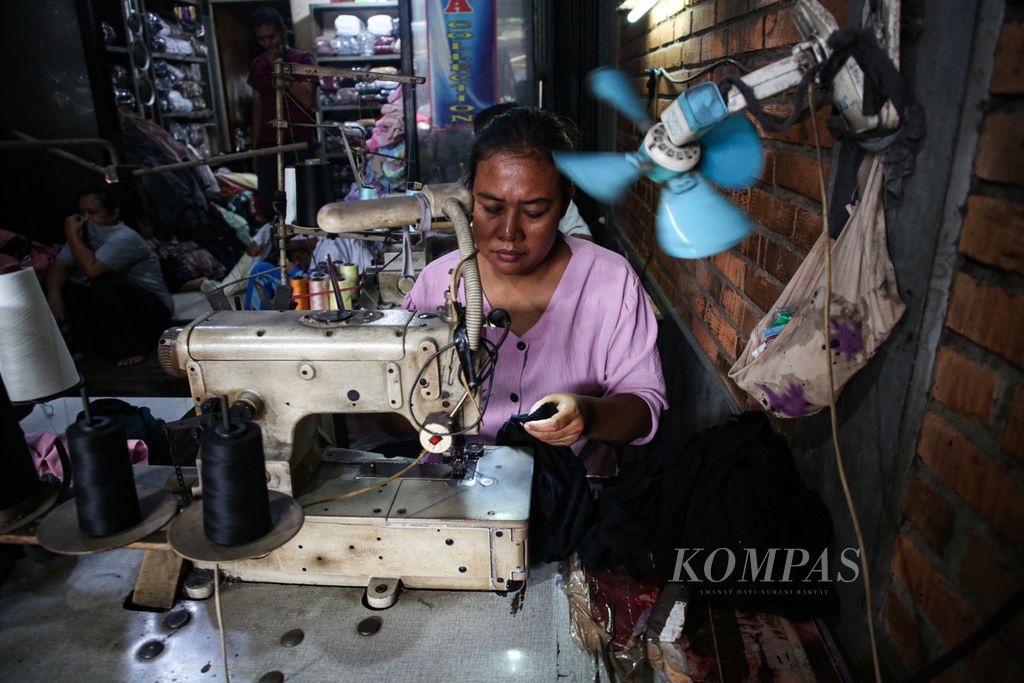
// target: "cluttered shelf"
[[352, 6], [205, 114], [179, 58]]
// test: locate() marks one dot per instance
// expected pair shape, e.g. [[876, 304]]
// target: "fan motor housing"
[[662, 152]]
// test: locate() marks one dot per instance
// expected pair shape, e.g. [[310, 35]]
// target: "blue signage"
[[462, 44]]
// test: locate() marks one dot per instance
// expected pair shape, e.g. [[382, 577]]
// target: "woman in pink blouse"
[[583, 334]]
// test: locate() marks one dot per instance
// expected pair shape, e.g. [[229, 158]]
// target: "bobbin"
[[187, 537], [59, 531]]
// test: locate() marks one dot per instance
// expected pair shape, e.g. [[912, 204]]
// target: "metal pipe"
[[233, 156], [390, 212], [279, 87], [30, 141], [470, 274]]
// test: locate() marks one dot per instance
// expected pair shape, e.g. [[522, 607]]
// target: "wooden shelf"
[[179, 58]]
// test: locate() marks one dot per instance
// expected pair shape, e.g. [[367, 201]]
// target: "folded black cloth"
[[561, 504]]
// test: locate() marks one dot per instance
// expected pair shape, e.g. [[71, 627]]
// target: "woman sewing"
[[583, 333]]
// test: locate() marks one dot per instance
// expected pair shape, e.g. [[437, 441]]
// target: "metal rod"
[[307, 70], [233, 156], [279, 87], [334, 284], [46, 144], [85, 404], [62, 142]]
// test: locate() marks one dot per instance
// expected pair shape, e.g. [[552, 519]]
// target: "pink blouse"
[[596, 338]]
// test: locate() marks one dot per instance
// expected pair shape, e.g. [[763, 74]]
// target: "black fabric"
[[138, 423], [560, 503], [114, 317], [733, 486]]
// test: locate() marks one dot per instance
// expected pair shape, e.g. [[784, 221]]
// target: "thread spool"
[[348, 274], [319, 287], [19, 481], [34, 359], [300, 292], [312, 189], [105, 494], [236, 507]]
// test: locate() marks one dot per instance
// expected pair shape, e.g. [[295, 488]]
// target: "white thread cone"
[[34, 360]]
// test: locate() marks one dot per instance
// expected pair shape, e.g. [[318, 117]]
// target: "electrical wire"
[[833, 412], [352, 494], [220, 621], [710, 67]]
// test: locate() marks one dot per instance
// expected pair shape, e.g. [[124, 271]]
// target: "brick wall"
[[960, 552], [720, 299], [960, 549]]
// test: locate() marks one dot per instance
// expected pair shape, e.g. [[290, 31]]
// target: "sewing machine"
[[460, 523]]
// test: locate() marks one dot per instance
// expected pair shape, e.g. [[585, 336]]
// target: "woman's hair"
[[527, 131], [267, 15], [106, 195]]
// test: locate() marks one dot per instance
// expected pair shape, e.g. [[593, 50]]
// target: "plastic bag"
[[789, 377]]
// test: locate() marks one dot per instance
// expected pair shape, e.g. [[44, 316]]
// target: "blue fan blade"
[[731, 153], [695, 221], [605, 176], [612, 87]]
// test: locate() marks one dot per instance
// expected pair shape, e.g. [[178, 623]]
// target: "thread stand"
[[59, 531]]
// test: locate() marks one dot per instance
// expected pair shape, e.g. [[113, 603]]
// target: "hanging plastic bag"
[[783, 364]]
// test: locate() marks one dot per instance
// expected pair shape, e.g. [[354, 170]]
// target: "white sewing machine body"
[[430, 528]]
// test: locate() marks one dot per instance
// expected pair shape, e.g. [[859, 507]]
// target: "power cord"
[[833, 413]]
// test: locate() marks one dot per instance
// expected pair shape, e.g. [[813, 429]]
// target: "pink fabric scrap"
[[43, 446]]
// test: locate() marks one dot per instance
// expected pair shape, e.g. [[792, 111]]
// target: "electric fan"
[[693, 219]]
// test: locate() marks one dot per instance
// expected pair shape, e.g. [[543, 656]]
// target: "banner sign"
[[462, 48]]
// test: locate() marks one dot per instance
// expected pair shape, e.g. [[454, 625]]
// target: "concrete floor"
[[62, 619]]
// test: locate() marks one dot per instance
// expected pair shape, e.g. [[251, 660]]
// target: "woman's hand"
[[73, 225], [565, 427]]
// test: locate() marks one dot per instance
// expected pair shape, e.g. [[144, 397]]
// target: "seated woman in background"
[[583, 333], [105, 288]]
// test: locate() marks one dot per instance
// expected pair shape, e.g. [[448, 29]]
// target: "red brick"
[[801, 133], [928, 513], [729, 9], [839, 10], [767, 175], [753, 248], [780, 262], [939, 602], [992, 232], [662, 34], [750, 319], [704, 340], [682, 25], [713, 45], [689, 52], [722, 331], [731, 266], [807, 228], [666, 8], [987, 488], [746, 36], [761, 290], [964, 386], [1013, 432], [773, 213], [779, 29], [992, 580], [799, 174], [904, 631], [1008, 71], [734, 305], [988, 315], [993, 662], [702, 16], [1000, 148]]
